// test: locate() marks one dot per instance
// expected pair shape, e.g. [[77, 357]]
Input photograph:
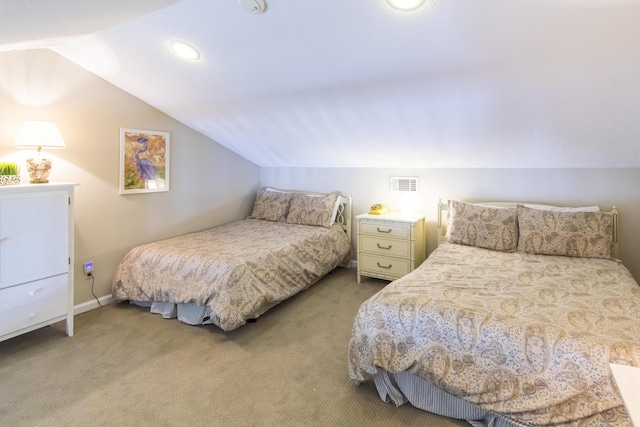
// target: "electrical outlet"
[[88, 269]]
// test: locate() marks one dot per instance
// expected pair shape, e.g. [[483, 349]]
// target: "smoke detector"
[[253, 6]]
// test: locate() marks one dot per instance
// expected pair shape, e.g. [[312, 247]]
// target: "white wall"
[[209, 185], [569, 187]]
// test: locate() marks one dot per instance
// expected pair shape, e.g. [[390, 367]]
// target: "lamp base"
[[39, 168]]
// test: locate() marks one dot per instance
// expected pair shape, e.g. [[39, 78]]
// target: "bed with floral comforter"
[[232, 273], [526, 336]]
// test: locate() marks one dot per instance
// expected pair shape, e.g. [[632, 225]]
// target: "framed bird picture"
[[144, 161]]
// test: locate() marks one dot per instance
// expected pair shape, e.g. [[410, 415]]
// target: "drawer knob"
[[384, 266], [383, 231], [384, 247], [32, 315], [34, 292]]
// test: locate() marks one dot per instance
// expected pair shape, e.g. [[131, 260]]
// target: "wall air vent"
[[403, 184]]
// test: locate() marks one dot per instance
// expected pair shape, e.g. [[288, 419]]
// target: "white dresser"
[[390, 245], [36, 251]]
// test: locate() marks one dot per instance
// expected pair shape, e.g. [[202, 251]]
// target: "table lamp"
[[39, 134]]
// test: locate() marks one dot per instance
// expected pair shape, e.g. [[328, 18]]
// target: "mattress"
[[529, 337]]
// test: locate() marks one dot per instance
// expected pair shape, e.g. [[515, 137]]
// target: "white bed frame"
[[343, 216], [443, 220]]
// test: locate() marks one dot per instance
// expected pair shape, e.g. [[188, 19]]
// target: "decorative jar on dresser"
[[390, 245], [36, 257]]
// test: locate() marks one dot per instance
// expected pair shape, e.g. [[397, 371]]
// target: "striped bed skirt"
[[403, 387]]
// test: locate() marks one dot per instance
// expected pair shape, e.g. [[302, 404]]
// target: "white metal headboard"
[[443, 220], [343, 216]]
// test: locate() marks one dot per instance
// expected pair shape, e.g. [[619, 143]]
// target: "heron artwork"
[[146, 170], [144, 161]]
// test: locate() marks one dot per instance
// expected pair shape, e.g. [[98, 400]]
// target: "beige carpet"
[[125, 366]]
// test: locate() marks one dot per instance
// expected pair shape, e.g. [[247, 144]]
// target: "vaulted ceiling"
[[357, 83]]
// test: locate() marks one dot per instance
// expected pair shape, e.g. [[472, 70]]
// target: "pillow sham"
[[574, 234], [335, 208], [313, 209], [271, 205], [482, 226]]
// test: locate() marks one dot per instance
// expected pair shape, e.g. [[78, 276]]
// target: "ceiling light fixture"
[[253, 6], [405, 4], [184, 50]]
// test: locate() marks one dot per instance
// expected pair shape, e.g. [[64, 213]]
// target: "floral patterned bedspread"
[[239, 269], [528, 336]]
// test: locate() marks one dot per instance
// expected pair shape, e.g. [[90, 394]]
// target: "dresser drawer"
[[385, 266], [33, 314], [399, 248], [401, 231], [33, 292]]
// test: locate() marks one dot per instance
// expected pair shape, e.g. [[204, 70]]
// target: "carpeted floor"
[[125, 366]]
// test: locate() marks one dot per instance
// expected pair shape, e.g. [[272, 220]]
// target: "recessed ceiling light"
[[185, 50], [405, 4]]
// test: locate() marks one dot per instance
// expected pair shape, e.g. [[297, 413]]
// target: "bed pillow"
[[483, 226], [575, 234], [313, 209], [562, 208], [335, 208], [271, 205]]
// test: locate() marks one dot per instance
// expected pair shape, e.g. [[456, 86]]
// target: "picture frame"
[[144, 161]]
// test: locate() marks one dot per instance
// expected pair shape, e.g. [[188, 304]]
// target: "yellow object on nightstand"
[[378, 209]]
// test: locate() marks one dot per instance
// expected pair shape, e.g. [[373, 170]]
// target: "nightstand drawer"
[[399, 248], [385, 230], [385, 266]]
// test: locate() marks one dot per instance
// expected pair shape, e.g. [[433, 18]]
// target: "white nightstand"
[[390, 245]]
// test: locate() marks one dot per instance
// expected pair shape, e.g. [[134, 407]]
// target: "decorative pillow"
[[313, 210], [483, 226], [575, 234], [271, 205]]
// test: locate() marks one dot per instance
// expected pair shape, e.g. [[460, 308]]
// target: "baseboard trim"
[[92, 305]]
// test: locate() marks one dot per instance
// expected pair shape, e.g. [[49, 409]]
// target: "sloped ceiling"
[[334, 83]]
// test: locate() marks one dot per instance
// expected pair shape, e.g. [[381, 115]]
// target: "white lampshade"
[[38, 134]]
